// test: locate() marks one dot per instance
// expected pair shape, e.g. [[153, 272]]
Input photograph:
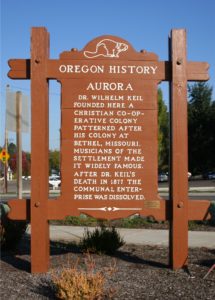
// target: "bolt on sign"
[[109, 137]]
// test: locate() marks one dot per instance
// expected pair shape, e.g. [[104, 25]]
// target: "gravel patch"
[[142, 272]]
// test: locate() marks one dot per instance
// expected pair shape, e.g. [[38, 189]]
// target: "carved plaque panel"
[[109, 128]]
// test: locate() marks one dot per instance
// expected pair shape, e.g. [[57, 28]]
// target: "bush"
[[134, 222], [11, 231], [212, 212], [101, 240], [79, 221], [77, 284]]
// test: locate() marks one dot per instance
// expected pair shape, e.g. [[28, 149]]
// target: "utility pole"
[[6, 148], [19, 143], [6, 162]]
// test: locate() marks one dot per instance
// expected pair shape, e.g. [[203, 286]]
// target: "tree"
[[163, 133], [11, 149], [201, 128], [26, 160], [25, 164], [1, 165], [54, 161]]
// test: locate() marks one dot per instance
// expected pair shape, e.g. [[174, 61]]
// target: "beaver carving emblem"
[[107, 48]]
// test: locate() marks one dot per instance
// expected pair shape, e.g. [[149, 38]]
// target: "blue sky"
[[72, 24]]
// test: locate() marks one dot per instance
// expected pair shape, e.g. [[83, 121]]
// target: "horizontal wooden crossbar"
[[20, 209], [20, 69]]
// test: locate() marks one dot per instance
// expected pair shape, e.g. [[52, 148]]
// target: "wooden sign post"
[[109, 137]]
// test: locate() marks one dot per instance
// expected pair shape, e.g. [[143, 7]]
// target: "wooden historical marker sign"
[[109, 129], [109, 137]]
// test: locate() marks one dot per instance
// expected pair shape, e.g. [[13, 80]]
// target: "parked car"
[[162, 177], [54, 177], [26, 177], [54, 182], [189, 175], [209, 175]]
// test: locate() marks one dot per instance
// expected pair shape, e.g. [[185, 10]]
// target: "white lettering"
[[99, 69], [81, 69], [109, 86]]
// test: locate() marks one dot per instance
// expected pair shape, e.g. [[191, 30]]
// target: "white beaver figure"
[[107, 48]]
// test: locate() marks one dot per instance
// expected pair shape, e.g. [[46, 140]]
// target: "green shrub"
[[212, 212], [101, 240], [192, 225], [211, 222], [82, 220], [134, 222], [11, 231]]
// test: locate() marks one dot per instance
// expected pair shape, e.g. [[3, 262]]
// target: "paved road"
[[192, 183], [198, 189], [162, 185]]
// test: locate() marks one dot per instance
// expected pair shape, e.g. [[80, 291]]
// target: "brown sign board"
[[109, 142], [109, 137], [109, 129]]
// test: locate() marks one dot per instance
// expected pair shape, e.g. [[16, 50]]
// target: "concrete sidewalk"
[[135, 236]]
